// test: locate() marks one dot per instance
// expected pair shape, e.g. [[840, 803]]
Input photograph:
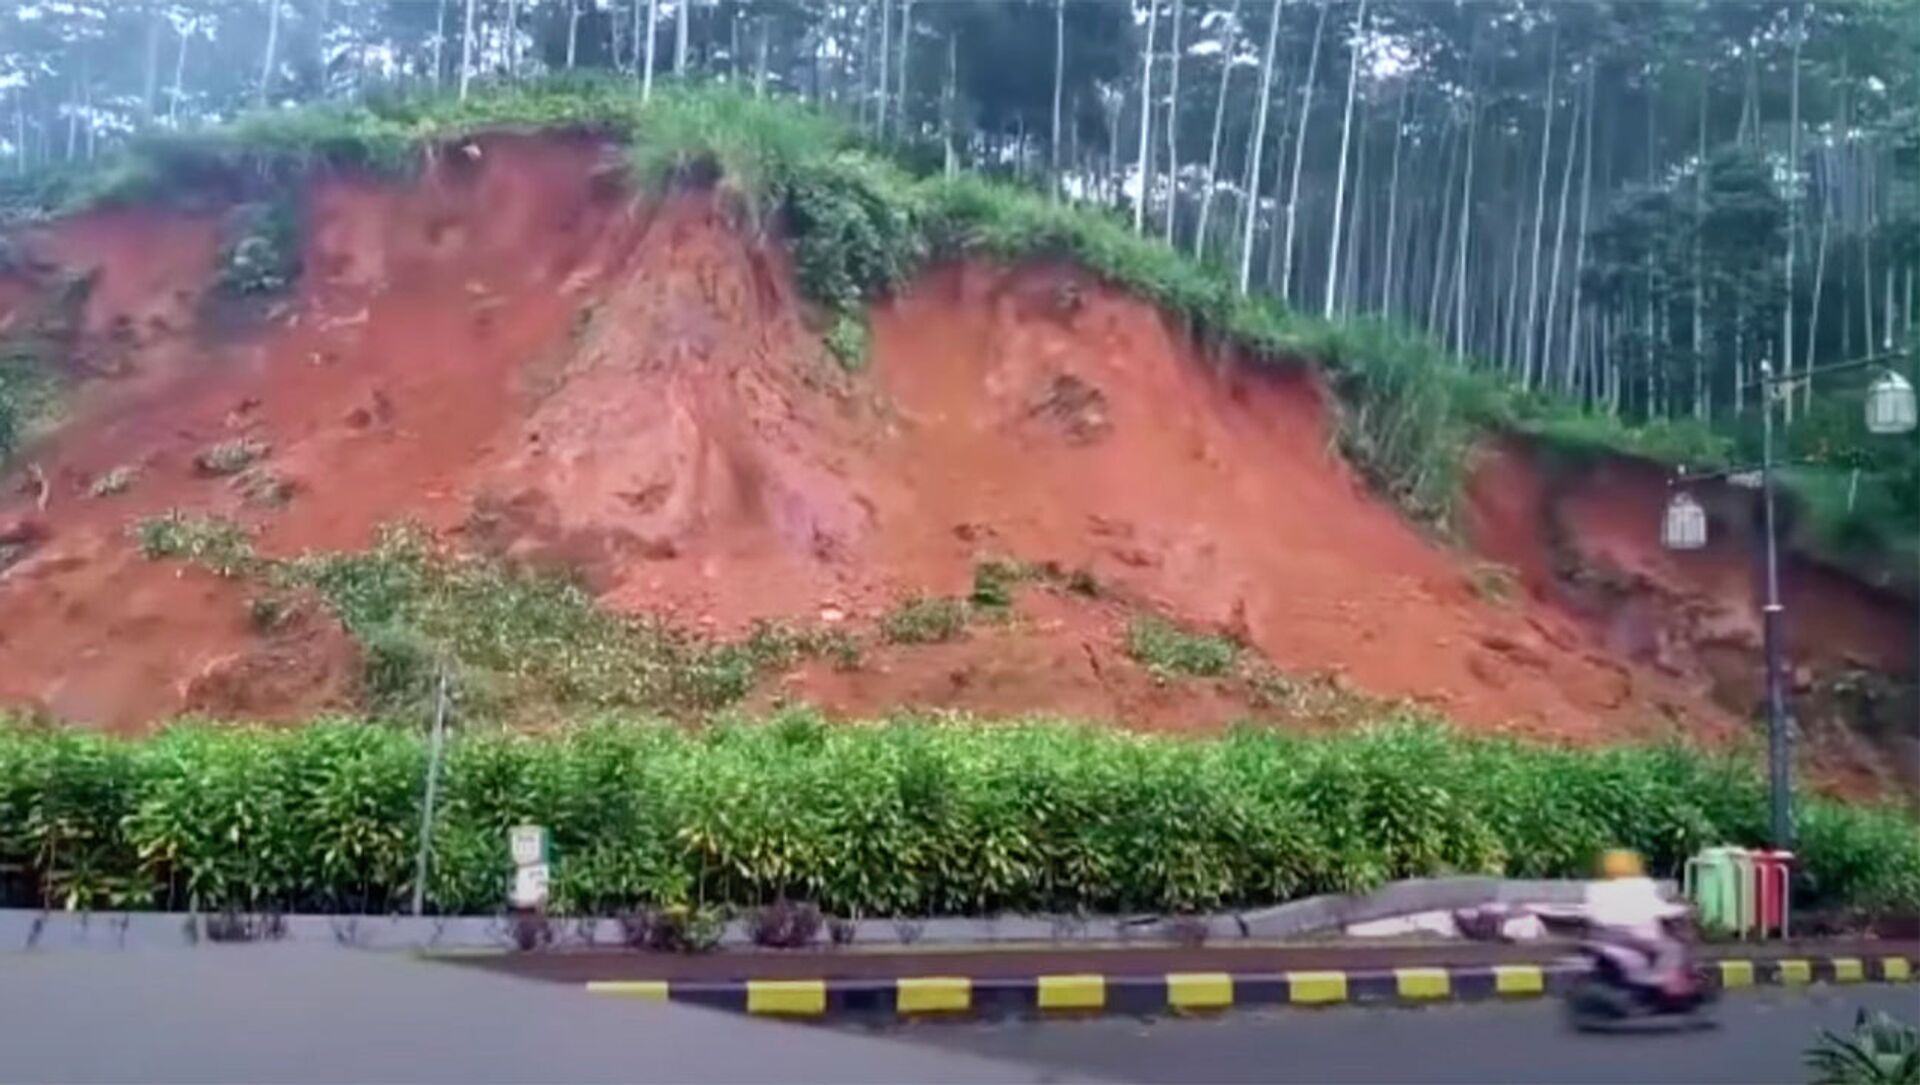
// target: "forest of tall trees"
[[1630, 203]]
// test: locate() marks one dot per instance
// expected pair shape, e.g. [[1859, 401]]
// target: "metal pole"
[[1779, 751], [433, 787]]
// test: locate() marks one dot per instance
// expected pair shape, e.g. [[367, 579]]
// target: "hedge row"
[[908, 817]]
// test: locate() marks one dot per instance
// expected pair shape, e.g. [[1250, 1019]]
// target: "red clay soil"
[[515, 353]]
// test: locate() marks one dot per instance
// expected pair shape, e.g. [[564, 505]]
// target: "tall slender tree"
[[1346, 138], [1264, 107]]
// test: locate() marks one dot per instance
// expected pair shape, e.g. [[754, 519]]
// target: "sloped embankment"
[[514, 352]]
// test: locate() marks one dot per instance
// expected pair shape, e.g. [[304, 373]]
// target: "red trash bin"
[[1772, 890]]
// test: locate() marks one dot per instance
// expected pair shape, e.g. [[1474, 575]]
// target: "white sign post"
[[531, 875]]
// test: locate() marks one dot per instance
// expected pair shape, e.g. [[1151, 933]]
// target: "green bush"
[[219, 545], [1167, 650], [925, 620], [910, 817]]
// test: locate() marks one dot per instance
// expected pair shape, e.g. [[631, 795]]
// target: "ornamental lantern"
[[1890, 407], [1685, 527]]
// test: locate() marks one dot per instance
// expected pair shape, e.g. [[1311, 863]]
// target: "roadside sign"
[[528, 844], [530, 886]]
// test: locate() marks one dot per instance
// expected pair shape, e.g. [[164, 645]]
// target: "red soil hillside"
[[514, 352]]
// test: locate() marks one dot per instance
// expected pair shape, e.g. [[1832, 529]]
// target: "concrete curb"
[[1200, 992]]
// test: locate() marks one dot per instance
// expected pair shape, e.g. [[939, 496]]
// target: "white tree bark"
[[1702, 400], [1580, 247], [439, 41], [573, 31], [1259, 145], [1793, 215], [683, 16], [1146, 115], [1059, 85], [1539, 215], [653, 24], [511, 39], [949, 104], [179, 78], [1300, 152], [906, 51], [272, 50], [1346, 140], [1559, 247], [1464, 226], [1393, 201], [886, 57], [1219, 118], [466, 53], [1173, 129]]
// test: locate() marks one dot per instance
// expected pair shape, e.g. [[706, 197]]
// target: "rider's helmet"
[[1622, 863]]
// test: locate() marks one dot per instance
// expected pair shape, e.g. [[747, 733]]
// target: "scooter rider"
[[1626, 910]]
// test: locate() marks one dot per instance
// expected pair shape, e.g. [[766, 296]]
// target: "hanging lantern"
[[1890, 406], [1685, 527]]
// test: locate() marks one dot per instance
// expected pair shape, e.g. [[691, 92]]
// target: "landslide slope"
[[548, 369]]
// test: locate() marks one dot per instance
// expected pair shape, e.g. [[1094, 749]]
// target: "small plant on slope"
[[1166, 649]]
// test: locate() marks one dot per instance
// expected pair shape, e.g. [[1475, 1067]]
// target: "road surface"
[[292, 1014], [1759, 1040]]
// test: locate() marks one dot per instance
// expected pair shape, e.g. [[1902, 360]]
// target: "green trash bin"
[[1719, 882]]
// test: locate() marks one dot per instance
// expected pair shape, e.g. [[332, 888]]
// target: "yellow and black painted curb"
[[1201, 992]]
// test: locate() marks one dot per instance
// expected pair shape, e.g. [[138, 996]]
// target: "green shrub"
[[219, 545], [1168, 650], [230, 457], [262, 255], [911, 817], [925, 620], [1881, 1050], [113, 482]]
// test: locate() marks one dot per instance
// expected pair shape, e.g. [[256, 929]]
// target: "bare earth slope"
[[514, 352]]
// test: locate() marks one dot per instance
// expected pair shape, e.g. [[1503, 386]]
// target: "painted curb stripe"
[[934, 994], [647, 990], [1316, 988], [1199, 990], [1519, 980], [1421, 984], [1073, 992], [806, 998], [1195, 991]]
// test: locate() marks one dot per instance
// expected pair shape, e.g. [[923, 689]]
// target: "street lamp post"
[[1890, 409]]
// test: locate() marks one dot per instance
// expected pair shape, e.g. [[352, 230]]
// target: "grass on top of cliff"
[[859, 225]]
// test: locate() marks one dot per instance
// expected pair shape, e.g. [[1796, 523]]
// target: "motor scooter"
[[1600, 995]]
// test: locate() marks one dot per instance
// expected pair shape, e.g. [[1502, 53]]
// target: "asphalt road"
[[1759, 1038], [268, 1015], [273, 1014]]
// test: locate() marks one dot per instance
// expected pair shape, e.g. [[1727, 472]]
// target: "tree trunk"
[[1059, 84], [1540, 214], [1393, 201], [683, 17], [1143, 173], [906, 51], [1173, 128], [511, 40], [180, 75], [886, 58], [1702, 396], [1819, 288], [1572, 377], [1450, 145], [1299, 150], [1259, 144], [466, 52], [273, 46], [1464, 222], [150, 84], [1219, 119], [950, 103], [1559, 244], [1346, 139], [573, 31], [1793, 214], [760, 61], [439, 42], [652, 32]]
